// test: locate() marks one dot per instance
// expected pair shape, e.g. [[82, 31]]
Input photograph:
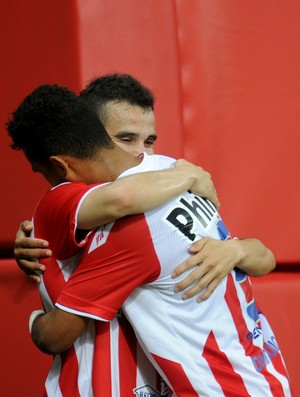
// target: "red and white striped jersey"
[[106, 360], [221, 347]]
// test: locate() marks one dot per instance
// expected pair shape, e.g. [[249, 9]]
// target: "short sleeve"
[[117, 259], [55, 218]]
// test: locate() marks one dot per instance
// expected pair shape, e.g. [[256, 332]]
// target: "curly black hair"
[[53, 120], [116, 88]]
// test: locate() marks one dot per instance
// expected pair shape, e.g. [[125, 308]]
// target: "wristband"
[[33, 316]]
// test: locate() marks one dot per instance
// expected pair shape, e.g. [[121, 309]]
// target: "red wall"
[[241, 96], [226, 80], [227, 88], [23, 368], [38, 45]]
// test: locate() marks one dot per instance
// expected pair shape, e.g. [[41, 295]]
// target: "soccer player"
[[126, 109], [221, 347], [132, 368]]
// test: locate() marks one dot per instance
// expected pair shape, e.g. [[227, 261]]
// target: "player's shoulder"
[[67, 186], [62, 193], [157, 161]]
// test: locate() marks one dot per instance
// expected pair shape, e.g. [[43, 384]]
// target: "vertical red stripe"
[[247, 288], [230, 382], [277, 360], [250, 349], [102, 361], [127, 357], [69, 370], [177, 377]]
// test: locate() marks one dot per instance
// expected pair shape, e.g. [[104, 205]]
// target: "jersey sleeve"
[[55, 218], [119, 258]]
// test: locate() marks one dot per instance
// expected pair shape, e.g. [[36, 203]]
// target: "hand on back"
[[203, 185], [28, 251]]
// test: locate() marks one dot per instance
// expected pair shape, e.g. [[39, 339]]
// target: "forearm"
[[256, 258], [56, 331], [140, 193], [155, 188]]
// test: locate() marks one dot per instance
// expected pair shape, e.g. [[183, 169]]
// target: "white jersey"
[[221, 347]]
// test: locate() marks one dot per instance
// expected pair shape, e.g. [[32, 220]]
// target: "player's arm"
[[134, 194], [216, 258], [55, 331], [98, 287], [142, 192]]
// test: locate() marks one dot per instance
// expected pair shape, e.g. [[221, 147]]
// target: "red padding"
[[278, 295], [23, 368]]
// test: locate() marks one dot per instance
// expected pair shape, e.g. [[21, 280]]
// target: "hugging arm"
[[216, 258], [129, 195], [56, 331], [149, 190]]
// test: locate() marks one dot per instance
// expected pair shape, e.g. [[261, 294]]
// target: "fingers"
[[198, 245], [208, 292], [214, 198], [197, 274], [27, 258], [212, 195], [215, 260], [197, 280], [24, 230], [27, 242], [193, 260], [31, 253], [28, 251], [30, 267], [184, 266], [23, 241], [26, 226], [205, 286], [34, 277]]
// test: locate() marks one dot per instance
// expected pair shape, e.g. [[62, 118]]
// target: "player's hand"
[[28, 251], [203, 185], [214, 260]]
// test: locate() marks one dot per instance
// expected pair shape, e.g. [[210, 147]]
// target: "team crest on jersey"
[[146, 391], [100, 237]]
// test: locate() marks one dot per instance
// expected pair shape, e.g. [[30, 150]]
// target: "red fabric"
[[59, 206], [39, 45], [209, 353], [278, 295]]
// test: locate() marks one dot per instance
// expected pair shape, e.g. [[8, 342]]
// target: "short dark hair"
[[116, 88], [53, 120]]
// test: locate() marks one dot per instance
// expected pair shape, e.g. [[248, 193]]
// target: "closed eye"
[[149, 142]]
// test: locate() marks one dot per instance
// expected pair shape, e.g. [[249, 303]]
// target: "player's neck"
[[108, 165]]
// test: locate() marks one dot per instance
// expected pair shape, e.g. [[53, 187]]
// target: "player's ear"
[[60, 165]]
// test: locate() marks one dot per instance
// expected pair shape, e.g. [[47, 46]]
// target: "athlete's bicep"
[[102, 204], [119, 258]]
